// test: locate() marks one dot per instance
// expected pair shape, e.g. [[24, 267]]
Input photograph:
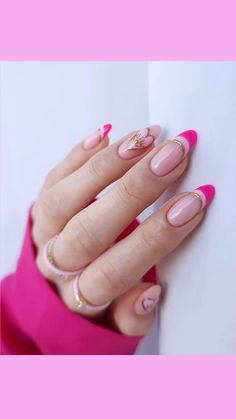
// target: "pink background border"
[[118, 387], [121, 30], [166, 387]]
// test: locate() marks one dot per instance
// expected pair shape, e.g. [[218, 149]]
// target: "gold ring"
[[50, 249], [82, 302]]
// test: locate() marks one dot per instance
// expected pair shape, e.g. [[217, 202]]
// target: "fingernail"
[[148, 300], [138, 142], [105, 129], [173, 153], [190, 205], [207, 193], [93, 140]]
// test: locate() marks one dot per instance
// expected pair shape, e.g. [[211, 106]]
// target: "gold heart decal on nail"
[[140, 139]]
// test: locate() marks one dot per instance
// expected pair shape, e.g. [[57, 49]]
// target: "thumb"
[[133, 312]]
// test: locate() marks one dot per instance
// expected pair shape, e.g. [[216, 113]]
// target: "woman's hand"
[[87, 231]]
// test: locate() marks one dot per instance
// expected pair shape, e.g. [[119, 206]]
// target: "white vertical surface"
[[198, 316]]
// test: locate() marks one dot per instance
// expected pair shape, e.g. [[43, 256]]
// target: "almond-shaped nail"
[[94, 140], [148, 300], [190, 205], [172, 153], [105, 129], [138, 142]]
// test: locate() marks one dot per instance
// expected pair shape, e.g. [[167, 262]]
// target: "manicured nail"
[[105, 129], [173, 153], [135, 145], [148, 300], [190, 205], [93, 140], [207, 193]]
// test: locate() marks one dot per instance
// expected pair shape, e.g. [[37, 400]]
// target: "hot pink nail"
[[191, 138], [148, 300], [207, 193], [172, 153], [105, 129], [135, 145], [94, 140], [190, 205]]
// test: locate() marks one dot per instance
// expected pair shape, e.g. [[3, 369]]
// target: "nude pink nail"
[[190, 205], [94, 140], [135, 145], [148, 300], [172, 153]]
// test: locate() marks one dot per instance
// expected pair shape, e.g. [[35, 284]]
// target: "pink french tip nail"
[[207, 193], [105, 129], [95, 139], [172, 153], [189, 138], [187, 207]]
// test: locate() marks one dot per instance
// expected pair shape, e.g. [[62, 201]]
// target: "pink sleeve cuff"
[[36, 321]]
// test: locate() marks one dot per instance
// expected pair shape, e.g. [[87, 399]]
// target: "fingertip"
[[105, 129]]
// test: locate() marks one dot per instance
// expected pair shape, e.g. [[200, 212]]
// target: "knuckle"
[[128, 191], [49, 178], [73, 156], [155, 238], [96, 166], [50, 204], [82, 239], [112, 281], [148, 239]]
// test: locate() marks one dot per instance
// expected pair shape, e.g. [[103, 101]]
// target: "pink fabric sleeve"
[[34, 320]]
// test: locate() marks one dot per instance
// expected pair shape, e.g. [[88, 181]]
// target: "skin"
[[87, 234]]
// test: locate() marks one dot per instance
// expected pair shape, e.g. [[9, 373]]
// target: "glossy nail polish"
[[190, 205], [134, 145], [207, 193], [148, 300], [105, 129], [93, 140], [172, 153]]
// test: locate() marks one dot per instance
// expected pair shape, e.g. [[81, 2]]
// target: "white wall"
[[46, 107], [199, 312]]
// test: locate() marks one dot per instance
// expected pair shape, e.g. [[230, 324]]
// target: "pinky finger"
[[79, 155], [133, 312]]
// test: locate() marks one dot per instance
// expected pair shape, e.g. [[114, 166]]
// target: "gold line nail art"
[[180, 144]]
